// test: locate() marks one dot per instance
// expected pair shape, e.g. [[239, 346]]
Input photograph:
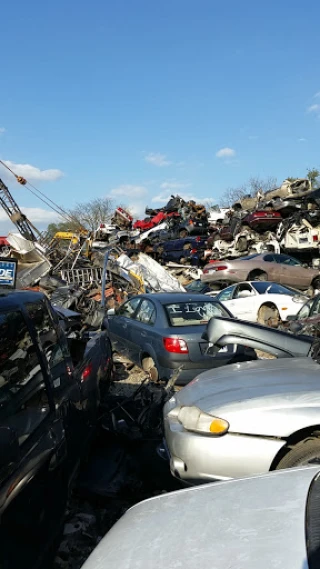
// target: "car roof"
[[253, 283], [168, 297], [13, 298]]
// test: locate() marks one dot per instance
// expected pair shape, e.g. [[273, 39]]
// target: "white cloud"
[[37, 215], [129, 190], [317, 95], [253, 137], [226, 153], [314, 109], [2, 130], [157, 159], [31, 173], [137, 210], [302, 139], [174, 185]]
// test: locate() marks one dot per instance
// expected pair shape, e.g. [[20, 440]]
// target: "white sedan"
[[267, 302]]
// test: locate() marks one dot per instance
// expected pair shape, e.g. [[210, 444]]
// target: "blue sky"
[[135, 98]]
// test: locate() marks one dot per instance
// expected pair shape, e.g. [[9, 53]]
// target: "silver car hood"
[[242, 524], [253, 396]]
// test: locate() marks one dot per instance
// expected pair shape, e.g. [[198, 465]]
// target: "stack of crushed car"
[[126, 255]]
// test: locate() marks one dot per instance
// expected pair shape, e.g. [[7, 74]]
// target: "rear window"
[[195, 313], [274, 288], [249, 257]]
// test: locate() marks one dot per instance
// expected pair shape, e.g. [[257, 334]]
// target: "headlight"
[[300, 299], [193, 419]]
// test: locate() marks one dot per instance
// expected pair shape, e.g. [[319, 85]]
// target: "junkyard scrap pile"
[[183, 236]]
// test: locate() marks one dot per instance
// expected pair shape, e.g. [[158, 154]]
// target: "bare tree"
[[232, 195], [251, 188], [313, 175], [90, 214], [265, 185]]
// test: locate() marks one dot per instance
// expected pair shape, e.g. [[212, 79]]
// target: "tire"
[[316, 284], [148, 365], [269, 316], [301, 454], [254, 276], [183, 233]]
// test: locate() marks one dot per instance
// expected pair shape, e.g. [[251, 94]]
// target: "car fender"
[[270, 423], [148, 349]]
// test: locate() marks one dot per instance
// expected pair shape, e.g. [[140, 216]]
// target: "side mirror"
[[292, 317], [9, 446]]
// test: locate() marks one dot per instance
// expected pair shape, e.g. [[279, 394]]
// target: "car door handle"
[[144, 334]]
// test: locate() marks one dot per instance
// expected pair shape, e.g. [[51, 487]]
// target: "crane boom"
[[10, 206]]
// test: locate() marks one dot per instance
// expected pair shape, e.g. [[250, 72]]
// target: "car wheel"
[[316, 285], [183, 233], [257, 276], [148, 365], [269, 316], [301, 454]]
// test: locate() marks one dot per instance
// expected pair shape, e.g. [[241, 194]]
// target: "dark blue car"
[[188, 250]]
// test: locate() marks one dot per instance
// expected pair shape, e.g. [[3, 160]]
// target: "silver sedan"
[[245, 419], [269, 522]]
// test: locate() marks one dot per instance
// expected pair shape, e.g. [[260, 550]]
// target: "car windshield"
[[195, 286], [274, 288], [193, 313]]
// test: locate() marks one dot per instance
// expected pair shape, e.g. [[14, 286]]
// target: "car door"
[[66, 389], [142, 329], [243, 302], [31, 427], [119, 325], [293, 273], [272, 267]]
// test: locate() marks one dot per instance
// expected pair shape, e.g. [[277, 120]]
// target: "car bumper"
[[191, 369], [197, 459]]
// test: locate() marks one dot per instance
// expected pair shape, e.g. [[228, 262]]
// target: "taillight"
[[175, 345], [221, 268], [205, 271], [193, 251], [191, 222], [102, 225], [86, 372], [198, 239], [315, 238]]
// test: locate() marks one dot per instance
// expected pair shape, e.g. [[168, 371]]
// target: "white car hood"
[[254, 396], [239, 524]]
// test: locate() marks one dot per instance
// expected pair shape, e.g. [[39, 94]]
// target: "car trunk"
[[196, 345]]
